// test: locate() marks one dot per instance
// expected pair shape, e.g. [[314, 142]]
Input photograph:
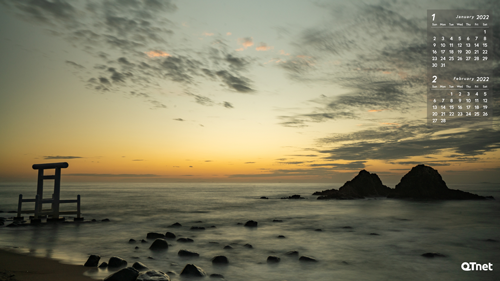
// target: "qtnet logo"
[[474, 266]]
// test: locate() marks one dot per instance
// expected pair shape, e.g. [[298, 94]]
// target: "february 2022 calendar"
[[459, 68]]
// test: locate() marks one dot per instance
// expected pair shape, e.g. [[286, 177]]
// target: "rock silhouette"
[[363, 185]]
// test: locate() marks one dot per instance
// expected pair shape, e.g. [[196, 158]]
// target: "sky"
[[229, 91]]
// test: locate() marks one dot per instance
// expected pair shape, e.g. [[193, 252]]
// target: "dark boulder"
[[153, 275], [170, 235], [105, 220], [264, 197], [251, 223], [185, 240], [154, 235], [307, 259], [220, 260], [296, 196], [116, 262], [125, 274], [186, 253], [273, 259], [131, 240], [92, 261], [363, 185], [103, 265], [159, 244], [192, 270], [424, 182], [281, 236], [176, 225], [139, 266], [228, 247], [432, 255], [197, 228]]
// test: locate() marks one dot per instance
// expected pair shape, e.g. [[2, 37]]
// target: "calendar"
[[459, 69]]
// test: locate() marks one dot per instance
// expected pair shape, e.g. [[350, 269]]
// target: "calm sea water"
[[464, 231]]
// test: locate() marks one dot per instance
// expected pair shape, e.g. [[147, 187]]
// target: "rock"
[[307, 259], [220, 260], [153, 275], [292, 253], [136, 247], [251, 223], [239, 223], [248, 246], [131, 240], [105, 220], [273, 259], [281, 236], [432, 255], [93, 220], [170, 235], [92, 261], [125, 274], [423, 182], [347, 227], [296, 196], [264, 197], [159, 244], [197, 228], [228, 247], [103, 265], [373, 233], [215, 275], [154, 235], [363, 185], [192, 270], [318, 229], [277, 220], [186, 253], [176, 225], [198, 221], [116, 262], [139, 266], [185, 240]]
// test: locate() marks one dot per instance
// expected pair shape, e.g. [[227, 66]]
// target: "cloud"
[[156, 54], [228, 105], [288, 173], [60, 157], [282, 52], [138, 160], [245, 42], [239, 84], [115, 175], [356, 165], [249, 163], [264, 47], [179, 119], [74, 64]]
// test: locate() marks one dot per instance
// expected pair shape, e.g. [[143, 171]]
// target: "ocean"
[[367, 239]]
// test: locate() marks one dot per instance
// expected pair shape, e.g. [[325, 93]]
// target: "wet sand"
[[28, 268]]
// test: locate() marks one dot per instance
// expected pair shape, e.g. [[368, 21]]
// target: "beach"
[[366, 239], [21, 267]]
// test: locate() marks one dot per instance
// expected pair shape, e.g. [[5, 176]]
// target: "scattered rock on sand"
[[153, 275], [220, 260], [92, 261], [308, 259], [159, 244], [192, 270], [186, 253], [154, 235], [139, 266], [273, 259], [433, 255], [116, 262], [251, 223], [185, 240], [125, 274]]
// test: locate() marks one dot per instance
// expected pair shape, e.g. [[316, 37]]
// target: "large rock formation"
[[362, 185], [423, 182]]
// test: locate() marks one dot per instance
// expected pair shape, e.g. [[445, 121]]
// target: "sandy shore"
[[27, 268]]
